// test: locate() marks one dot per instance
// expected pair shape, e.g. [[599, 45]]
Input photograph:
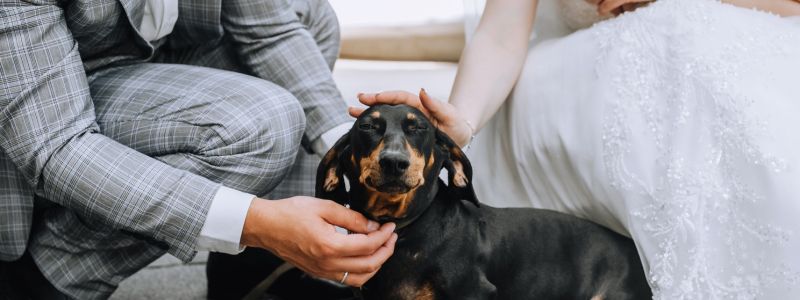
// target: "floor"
[[168, 278]]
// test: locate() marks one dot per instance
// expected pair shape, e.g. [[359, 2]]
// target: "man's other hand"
[[301, 230]]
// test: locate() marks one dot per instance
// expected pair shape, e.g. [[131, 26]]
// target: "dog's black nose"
[[394, 164]]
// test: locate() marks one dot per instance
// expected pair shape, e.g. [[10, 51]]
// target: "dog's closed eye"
[[415, 127], [367, 126]]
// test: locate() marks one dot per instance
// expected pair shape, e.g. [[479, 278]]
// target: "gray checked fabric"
[[320, 20], [132, 154]]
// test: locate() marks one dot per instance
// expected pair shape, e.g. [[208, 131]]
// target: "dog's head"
[[392, 157]]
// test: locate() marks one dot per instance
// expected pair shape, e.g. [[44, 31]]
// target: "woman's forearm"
[[493, 60], [785, 8]]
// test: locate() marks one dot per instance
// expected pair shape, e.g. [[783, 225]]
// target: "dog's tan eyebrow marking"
[[411, 116], [375, 114]]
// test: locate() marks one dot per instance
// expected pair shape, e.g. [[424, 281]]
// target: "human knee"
[[277, 127], [268, 131]]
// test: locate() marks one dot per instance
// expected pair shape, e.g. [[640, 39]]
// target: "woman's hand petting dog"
[[443, 115], [301, 230]]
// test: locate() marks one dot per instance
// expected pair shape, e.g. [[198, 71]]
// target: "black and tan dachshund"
[[450, 246]]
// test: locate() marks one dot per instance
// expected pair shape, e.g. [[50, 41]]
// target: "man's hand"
[[301, 231], [616, 7]]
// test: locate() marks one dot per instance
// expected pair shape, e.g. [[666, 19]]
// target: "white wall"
[[396, 12]]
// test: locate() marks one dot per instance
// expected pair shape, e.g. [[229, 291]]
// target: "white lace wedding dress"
[[678, 124]]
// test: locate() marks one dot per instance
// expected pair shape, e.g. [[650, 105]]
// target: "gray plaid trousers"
[[181, 108]]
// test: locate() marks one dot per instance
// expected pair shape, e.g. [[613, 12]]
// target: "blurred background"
[[406, 45], [401, 30]]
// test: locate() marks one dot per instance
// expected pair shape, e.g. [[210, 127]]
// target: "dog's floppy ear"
[[459, 169], [330, 173]]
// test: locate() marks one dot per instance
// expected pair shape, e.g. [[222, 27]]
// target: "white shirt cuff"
[[222, 231], [321, 145]]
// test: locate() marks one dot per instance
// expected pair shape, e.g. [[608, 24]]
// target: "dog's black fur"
[[451, 247]]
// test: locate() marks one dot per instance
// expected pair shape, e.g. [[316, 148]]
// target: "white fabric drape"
[[676, 125]]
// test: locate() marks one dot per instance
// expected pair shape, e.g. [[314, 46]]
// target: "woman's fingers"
[[443, 115], [355, 111], [441, 112], [390, 97], [393, 98], [432, 106]]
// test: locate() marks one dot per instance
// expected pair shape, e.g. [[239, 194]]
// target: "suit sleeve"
[[274, 44], [48, 129]]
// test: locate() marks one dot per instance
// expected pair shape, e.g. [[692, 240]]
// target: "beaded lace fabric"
[[676, 124], [691, 79]]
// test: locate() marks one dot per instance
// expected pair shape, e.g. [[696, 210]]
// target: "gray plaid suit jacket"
[[50, 143]]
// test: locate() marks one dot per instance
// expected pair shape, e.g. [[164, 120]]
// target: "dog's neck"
[[427, 199], [422, 199], [439, 212]]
